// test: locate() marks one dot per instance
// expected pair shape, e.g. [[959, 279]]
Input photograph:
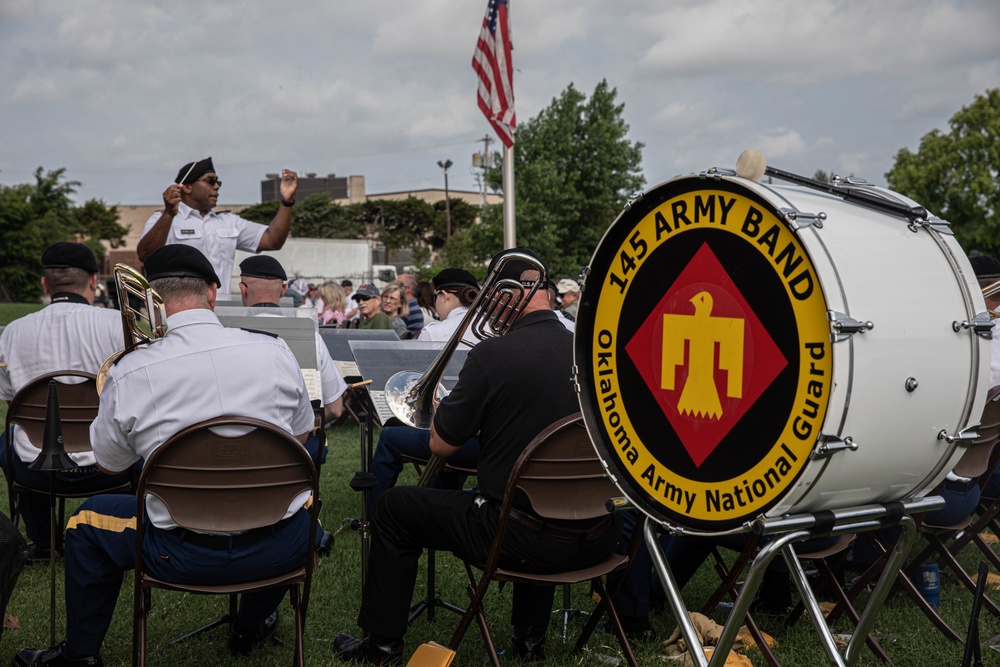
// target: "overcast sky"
[[123, 92]]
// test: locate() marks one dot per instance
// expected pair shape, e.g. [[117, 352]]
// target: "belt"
[[558, 532], [960, 486], [221, 542]]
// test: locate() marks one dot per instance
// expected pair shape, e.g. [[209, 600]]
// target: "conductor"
[[187, 218]]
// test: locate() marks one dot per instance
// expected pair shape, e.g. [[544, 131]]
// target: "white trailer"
[[319, 260]]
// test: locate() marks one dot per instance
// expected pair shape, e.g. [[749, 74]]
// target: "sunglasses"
[[211, 181]]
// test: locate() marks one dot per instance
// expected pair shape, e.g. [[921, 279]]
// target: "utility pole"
[[483, 161], [447, 203]]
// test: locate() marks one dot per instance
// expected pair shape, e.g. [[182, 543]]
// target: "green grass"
[[909, 638], [11, 311]]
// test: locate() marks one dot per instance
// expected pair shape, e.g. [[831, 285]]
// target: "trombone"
[[129, 282], [412, 397]]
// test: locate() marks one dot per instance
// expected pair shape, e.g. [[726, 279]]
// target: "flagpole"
[[509, 228]]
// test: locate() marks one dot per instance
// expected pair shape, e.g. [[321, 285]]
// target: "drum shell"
[[894, 388]]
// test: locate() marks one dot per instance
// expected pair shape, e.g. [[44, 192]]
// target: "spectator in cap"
[[569, 295], [187, 218], [370, 306], [554, 305], [69, 334], [197, 371], [262, 284]]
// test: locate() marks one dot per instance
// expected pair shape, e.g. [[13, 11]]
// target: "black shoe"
[[367, 651], [39, 554], [324, 544], [244, 642], [529, 644], [53, 657]]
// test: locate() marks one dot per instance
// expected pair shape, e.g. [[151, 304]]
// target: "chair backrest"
[[78, 405], [561, 474], [211, 479], [975, 461]]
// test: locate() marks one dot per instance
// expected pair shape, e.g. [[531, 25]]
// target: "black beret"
[[179, 261], [192, 171], [454, 278], [985, 266], [513, 269], [65, 255], [262, 266]]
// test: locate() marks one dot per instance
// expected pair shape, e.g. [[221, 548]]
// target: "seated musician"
[[197, 371], [68, 334], [509, 390], [262, 284], [455, 291]]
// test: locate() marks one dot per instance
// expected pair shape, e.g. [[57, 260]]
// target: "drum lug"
[[716, 173], [844, 326], [831, 444], [632, 199], [981, 325], [966, 436], [933, 223], [799, 219]]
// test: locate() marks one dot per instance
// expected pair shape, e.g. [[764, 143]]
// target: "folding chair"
[[973, 464], [560, 474], [222, 483], [78, 403]]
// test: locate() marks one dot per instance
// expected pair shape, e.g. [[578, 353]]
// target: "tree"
[[34, 216], [956, 175], [574, 169]]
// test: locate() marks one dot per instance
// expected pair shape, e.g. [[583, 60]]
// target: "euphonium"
[[412, 397], [992, 290], [129, 282]]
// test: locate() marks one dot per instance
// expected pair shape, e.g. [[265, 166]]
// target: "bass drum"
[[747, 351]]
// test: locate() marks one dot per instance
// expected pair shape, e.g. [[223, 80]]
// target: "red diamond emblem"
[[704, 355]]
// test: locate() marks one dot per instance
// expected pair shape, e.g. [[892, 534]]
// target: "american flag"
[[493, 64]]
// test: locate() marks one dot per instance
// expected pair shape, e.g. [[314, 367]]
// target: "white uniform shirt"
[[197, 371], [217, 236], [61, 336], [566, 322], [442, 330]]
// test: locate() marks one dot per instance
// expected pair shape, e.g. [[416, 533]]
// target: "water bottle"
[[929, 584]]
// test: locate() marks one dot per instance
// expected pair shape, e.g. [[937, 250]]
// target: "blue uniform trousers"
[[35, 506], [398, 441], [100, 547]]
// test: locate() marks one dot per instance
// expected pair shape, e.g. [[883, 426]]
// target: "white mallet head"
[[751, 164]]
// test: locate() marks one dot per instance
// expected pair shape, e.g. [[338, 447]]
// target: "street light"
[[447, 204]]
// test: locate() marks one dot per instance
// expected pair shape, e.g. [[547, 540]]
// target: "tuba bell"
[[129, 282]]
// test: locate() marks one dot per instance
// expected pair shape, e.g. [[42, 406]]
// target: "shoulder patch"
[[257, 331]]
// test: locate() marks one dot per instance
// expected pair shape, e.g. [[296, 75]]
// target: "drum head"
[[703, 352]]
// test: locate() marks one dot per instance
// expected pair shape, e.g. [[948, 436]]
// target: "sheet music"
[[382, 411], [313, 384], [348, 370]]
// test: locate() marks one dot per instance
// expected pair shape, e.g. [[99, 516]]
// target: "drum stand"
[[787, 531]]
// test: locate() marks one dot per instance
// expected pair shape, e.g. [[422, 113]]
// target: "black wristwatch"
[[286, 202]]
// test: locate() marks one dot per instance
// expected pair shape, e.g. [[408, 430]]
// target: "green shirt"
[[378, 321]]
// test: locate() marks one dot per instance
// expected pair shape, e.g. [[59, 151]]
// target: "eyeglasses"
[[211, 181], [391, 298]]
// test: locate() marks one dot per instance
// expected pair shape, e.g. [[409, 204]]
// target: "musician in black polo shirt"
[[509, 390]]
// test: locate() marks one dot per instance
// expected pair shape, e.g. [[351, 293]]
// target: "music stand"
[[379, 361], [338, 343]]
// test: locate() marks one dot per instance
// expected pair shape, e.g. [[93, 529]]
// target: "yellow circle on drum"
[[707, 361]]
